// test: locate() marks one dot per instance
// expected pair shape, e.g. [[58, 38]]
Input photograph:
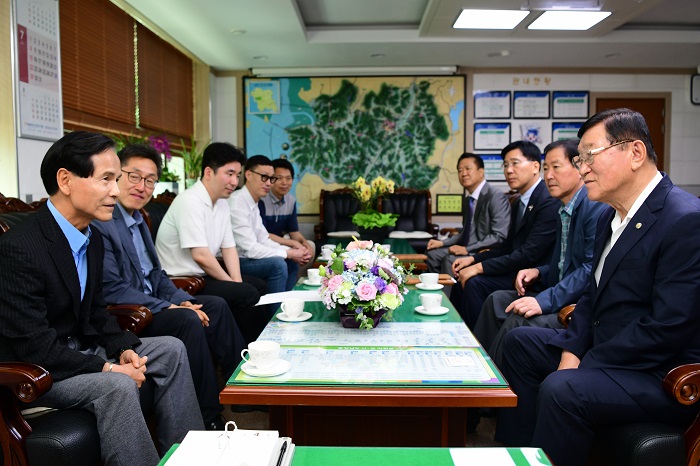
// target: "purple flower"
[[374, 270], [358, 310], [380, 283], [161, 145]]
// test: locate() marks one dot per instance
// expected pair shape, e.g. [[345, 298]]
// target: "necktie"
[[468, 214], [521, 213]]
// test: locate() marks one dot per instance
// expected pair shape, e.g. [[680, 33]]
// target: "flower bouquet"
[[364, 282], [368, 195]]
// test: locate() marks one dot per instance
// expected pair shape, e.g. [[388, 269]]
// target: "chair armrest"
[[24, 382], [190, 284], [683, 385], [450, 231], [433, 229], [132, 317], [565, 314]]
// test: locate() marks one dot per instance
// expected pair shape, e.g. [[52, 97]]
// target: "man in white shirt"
[[260, 256], [196, 229]]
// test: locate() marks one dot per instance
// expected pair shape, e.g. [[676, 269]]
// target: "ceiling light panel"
[[489, 19], [568, 20]]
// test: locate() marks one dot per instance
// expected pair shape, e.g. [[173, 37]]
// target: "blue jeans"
[[280, 274]]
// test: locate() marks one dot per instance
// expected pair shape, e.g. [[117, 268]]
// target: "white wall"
[[684, 154], [223, 109]]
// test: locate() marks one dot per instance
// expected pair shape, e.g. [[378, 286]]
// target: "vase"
[[377, 235], [347, 317]]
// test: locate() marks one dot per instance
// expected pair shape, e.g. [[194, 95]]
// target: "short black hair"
[[218, 154], [73, 152], [468, 155], [141, 150], [283, 163], [530, 151], [570, 147], [621, 124], [256, 161]]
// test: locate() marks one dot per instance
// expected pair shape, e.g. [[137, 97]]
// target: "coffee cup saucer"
[[437, 311], [308, 282], [424, 287], [301, 318], [280, 367]]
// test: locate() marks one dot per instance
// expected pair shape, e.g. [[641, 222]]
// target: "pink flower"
[[366, 291], [350, 264], [392, 288], [359, 245], [335, 282], [385, 263]]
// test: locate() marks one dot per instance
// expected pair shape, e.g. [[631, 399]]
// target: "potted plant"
[[372, 224], [364, 282], [192, 157]]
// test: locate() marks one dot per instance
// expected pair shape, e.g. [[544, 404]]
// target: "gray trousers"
[[114, 400], [440, 260], [493, 322]]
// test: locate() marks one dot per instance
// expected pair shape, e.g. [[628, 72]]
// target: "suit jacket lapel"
[[127, 242], [635, 230], [61, 254], [531, 205]]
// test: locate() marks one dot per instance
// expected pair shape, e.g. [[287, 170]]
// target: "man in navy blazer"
[[484, 226], [638, 318], [564, 279], [530, 237], [52, 312], [132, 274]]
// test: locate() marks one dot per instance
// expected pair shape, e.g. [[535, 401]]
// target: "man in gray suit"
[[132, 274], [486, 217], [52, 312]]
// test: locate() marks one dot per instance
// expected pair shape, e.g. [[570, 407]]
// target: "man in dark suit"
[[638, 318], [52, 312], [530, 237], [541, 291], [485, 217], [132, 274]]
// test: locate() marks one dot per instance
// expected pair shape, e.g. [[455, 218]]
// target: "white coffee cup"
[[387, 247], [430, 301], [326, 253], [292, 307], [328, 246], [429, 279], [313, 276], [262, 354]]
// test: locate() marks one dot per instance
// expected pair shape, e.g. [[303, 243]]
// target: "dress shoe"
[[218, 423]]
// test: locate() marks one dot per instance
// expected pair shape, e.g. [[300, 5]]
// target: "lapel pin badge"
[[530, 207], [638, 226]]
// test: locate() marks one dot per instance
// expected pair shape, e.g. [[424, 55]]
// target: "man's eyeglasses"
[[514, 164], [265, 178], [587, 157], [135, 178]]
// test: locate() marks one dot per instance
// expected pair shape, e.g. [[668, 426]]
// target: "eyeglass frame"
[[131, 175], [578, 161], [514, 164], [264, 178]]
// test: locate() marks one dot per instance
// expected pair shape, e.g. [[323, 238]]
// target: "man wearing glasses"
[[197, 228], [637, 320], [260, 255], [133, 275], [530, 239]]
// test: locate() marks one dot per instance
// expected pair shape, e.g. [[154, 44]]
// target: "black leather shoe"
[[219, 423]]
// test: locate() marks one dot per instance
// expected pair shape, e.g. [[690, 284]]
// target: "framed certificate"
[[570, 104], [492, 104], [531, 104], [493, 167], [449, 203], [565, 130], [490, 136]]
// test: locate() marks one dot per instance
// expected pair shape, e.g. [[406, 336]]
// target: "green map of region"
[[336, 129]]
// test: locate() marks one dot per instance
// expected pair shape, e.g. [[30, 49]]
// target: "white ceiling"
[[338, 33]]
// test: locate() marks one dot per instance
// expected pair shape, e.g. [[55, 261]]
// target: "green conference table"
[[334, 406]]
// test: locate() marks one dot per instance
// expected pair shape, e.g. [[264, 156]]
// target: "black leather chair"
[[651, 443], [155, 210], [336, 209], [414, 208]]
